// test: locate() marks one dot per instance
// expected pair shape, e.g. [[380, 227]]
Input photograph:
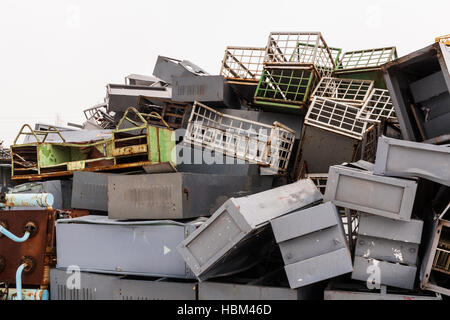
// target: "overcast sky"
[[57, 56]]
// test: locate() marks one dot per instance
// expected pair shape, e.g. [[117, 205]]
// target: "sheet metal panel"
[[319, 268], [98, 244], [362, 191], [411, 159], [391, 274], [176, 195], [154, 290]]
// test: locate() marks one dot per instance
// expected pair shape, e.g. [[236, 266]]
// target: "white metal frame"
[[350, 91], [378, 106], [268, 145], [244, 63], [336, 117]]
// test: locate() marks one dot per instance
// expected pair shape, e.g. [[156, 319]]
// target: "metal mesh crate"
[[336, 117], [243, 63], [354, 92], [319, 179], [100, 115], [287, 86], [377, 107], [300, 48], [243, 139], [367, 58]]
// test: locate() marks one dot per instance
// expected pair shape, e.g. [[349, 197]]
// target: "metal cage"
[[368, 58], [336, 117], [243, 63], [354, 92], [377, 107], [268, 145]]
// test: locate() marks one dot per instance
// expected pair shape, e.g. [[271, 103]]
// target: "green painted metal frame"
[[41, 159]]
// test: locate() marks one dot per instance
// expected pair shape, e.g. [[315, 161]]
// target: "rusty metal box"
[[362, 191], [176, 195], [99, 244]]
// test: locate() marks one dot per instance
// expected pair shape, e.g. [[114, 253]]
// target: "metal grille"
[[244, 139], [101, 116], [370, 143], [367, 58], [285, 85], [353, 92], [4, 153], [378, 106], [320, 180], [299, 47], [441, 261], [244, 63], [336, 117]]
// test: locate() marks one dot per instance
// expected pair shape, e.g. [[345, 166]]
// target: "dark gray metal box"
[[209, 89], [98, 244], [167, 68], [176, 195], [120, 96], [154, 290]]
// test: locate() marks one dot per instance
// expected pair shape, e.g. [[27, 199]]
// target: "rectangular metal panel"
[[167, 68], [321, 149], [360, 190], [428, 87], [90, 191], [92, 286], [176, 195], [235, 222], [208, 89], [153, 290], [120, 96], [98, 244], [319, 268], [380, 227], [391, 274], [231, 291], [411, 159]]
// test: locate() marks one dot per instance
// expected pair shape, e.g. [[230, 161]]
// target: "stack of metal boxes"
[[286, 176]]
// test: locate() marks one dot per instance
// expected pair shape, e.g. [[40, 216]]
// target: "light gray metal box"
[[238, 221], [390, 274], [167, 68], [210, 89], [121, 96], [230, 291], [90, 191], [98, 244], [400, 158], [92, 286], [309, 236], [362, 191], [127, 289], [361, 292], [389, 240], [176, 195]]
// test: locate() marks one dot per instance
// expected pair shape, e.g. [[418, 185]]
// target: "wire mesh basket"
[[243, 63], [377, 107], [350, 91]]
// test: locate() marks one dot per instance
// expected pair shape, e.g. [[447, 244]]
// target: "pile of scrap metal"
[[298, 172]]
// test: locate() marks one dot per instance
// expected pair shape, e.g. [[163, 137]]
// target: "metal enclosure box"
[[94, 286], [313, 245], [120, 97], [98, 244], [167, 68], [209, 89], [176, 195], [230, 291], [5, 175], [362, 191], [389, 240], [238, 223], [392, 245], [90, 191], [392, 274], [419, 85], [411, 159]]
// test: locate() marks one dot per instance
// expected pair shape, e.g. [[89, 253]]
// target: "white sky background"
[[56, 57]]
